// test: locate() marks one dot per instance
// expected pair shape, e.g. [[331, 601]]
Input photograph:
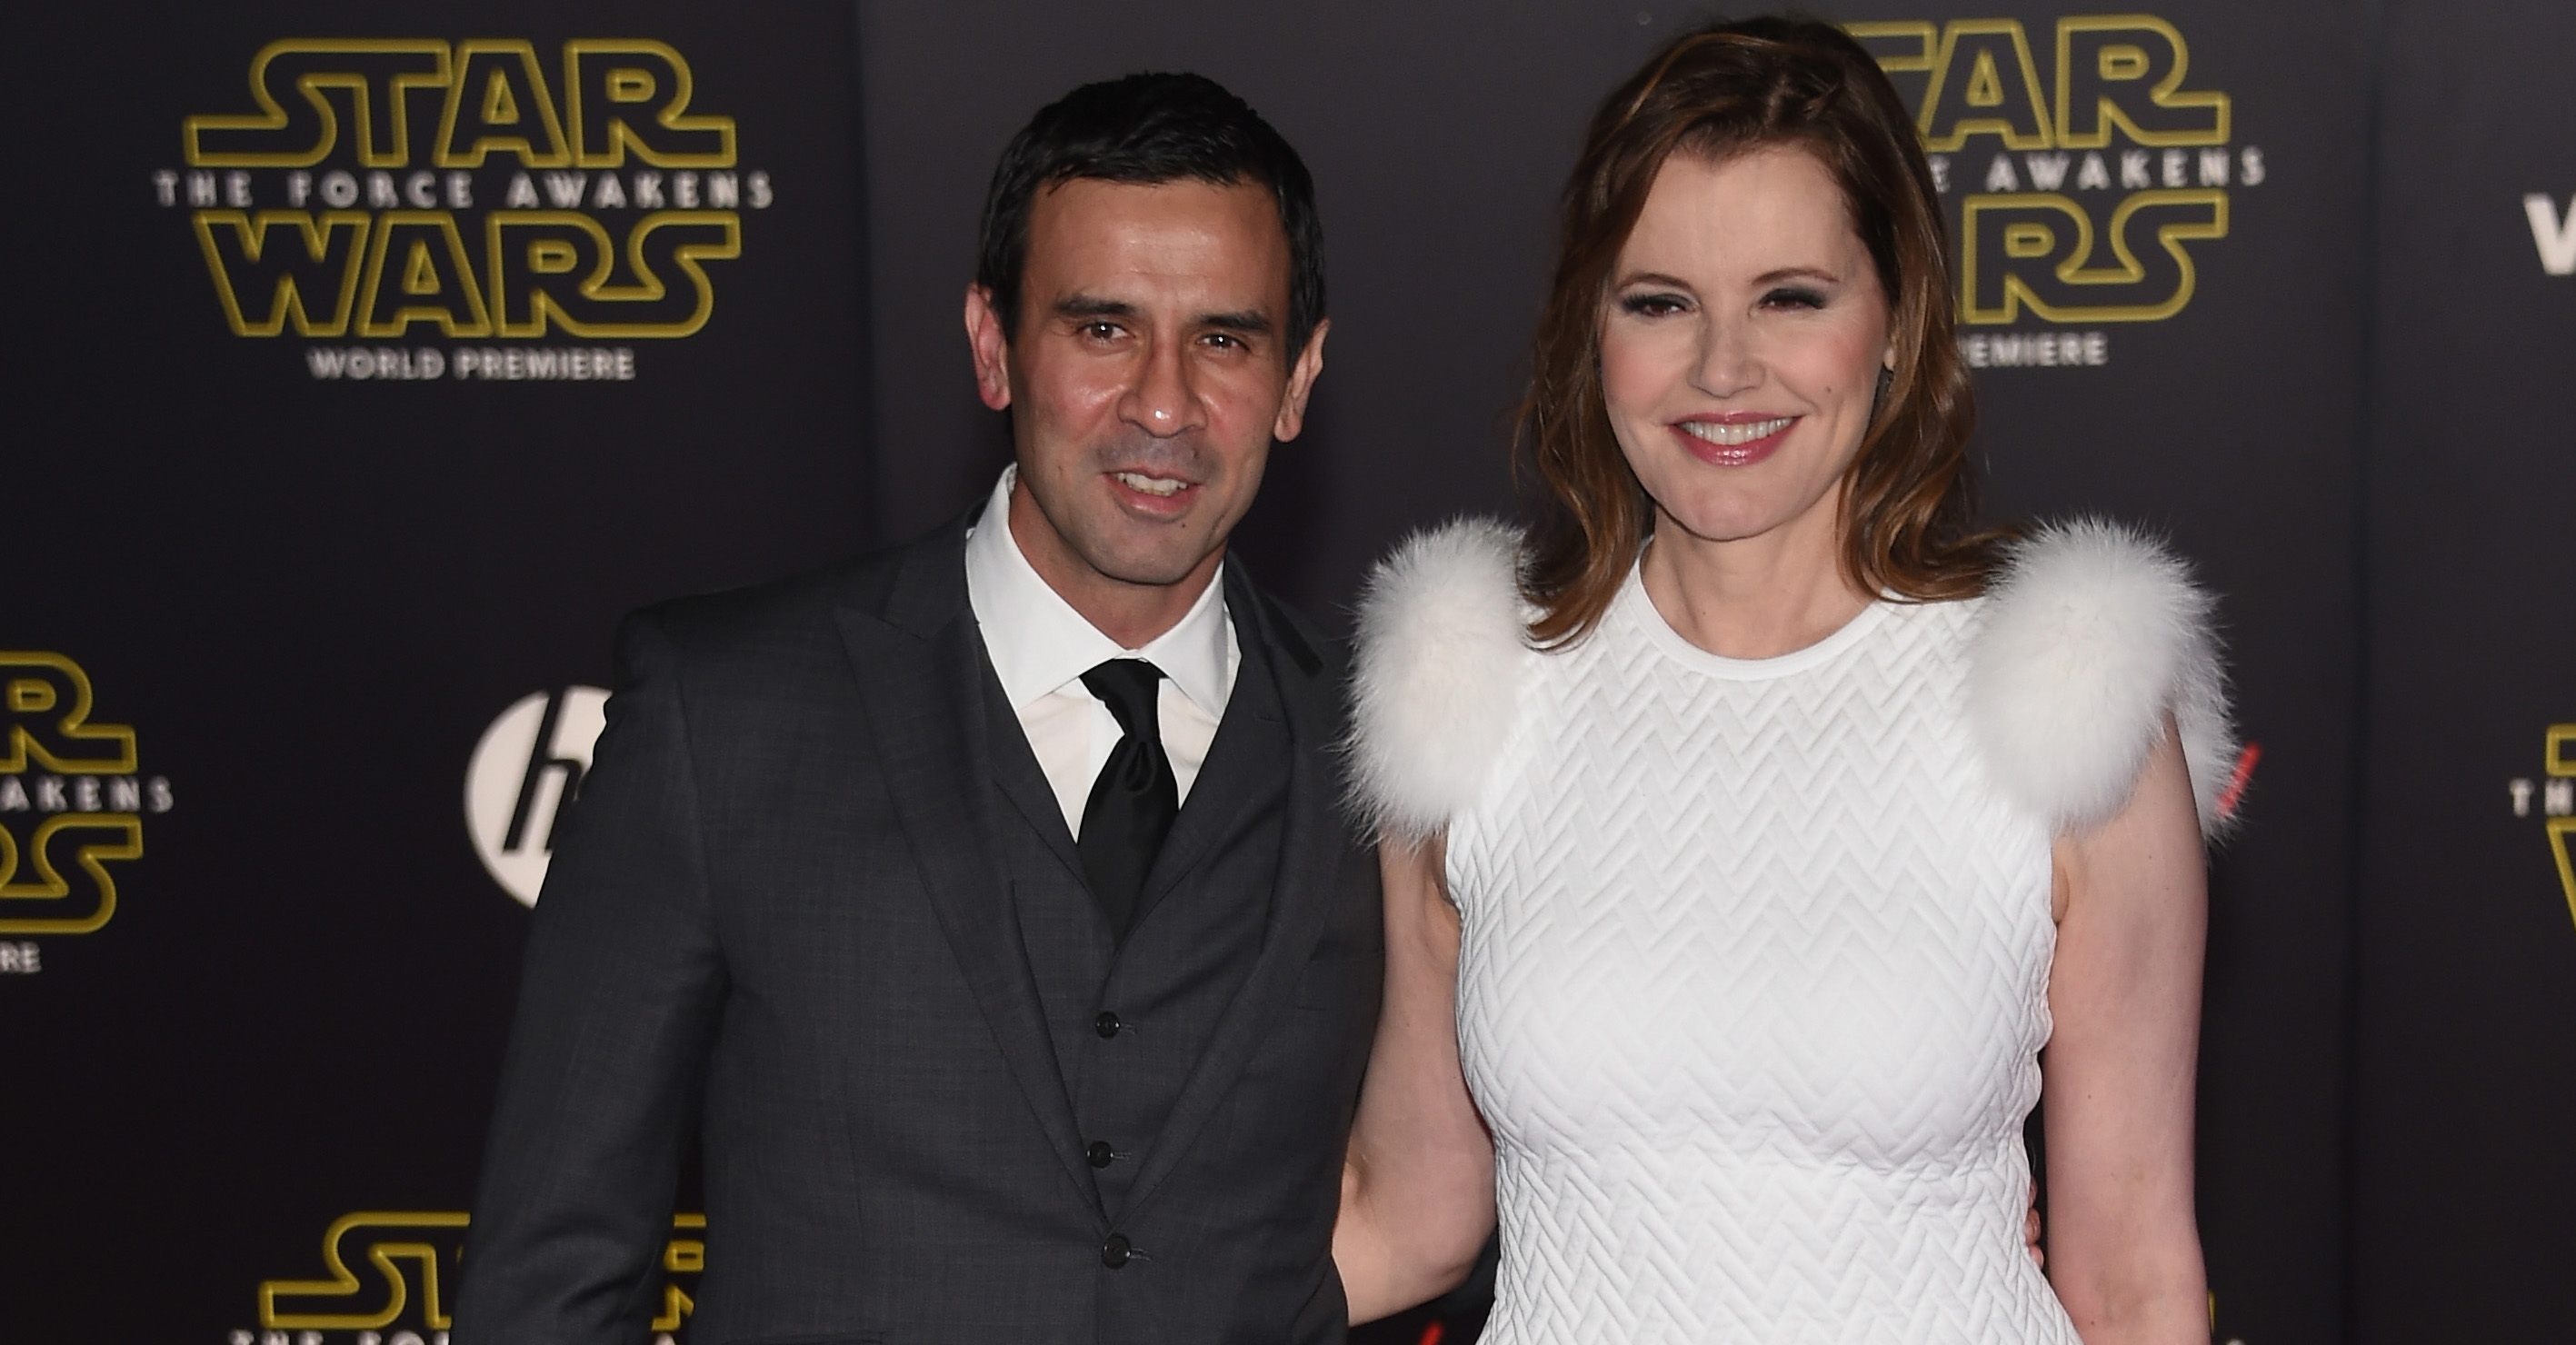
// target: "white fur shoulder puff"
[[1435, 680], [2091, 634]]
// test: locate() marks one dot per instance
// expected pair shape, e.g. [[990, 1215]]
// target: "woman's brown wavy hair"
[[1907, 513]]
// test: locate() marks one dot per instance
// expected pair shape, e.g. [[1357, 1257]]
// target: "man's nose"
[[1162, 401]]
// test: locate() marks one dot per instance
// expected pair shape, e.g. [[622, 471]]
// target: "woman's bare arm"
[[1418, 1184], [2133, 907]]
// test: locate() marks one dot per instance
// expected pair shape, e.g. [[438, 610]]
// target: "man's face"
[[1147, 379]]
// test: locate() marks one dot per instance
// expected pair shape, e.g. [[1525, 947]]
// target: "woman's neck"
[[1753, 597]]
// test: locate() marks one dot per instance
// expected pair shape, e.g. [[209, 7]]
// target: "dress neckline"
[[1635, 605]]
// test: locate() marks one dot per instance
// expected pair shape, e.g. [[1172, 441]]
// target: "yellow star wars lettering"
[[71, 802], [2088, 167], [389, 188], [395, 1270]]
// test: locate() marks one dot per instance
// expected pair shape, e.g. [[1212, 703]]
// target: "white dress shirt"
[[1041, 647]]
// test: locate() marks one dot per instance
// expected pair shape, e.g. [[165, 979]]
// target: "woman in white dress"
[[1753, 826]]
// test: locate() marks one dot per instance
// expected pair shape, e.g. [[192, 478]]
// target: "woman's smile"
[[1736, 439]]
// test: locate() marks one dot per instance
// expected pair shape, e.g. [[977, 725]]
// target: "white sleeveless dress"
[[1752, 984]]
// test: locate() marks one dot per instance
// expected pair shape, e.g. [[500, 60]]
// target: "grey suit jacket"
[[784, 911]]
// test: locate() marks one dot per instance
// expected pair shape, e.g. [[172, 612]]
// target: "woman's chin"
[[1719, 523]]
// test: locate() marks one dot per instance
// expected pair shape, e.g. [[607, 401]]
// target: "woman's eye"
[[1653, 305], [1793, 298]]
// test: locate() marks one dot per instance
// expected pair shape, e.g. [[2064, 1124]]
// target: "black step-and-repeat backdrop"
[[369, 361], [375, 361], [2465, 1021]]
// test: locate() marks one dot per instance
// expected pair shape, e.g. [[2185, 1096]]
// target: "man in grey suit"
[[984, 902]]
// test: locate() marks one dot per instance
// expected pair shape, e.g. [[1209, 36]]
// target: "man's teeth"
[[1150, 485], [1742, 432]]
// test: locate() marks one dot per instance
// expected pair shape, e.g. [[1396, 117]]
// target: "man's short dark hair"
[[1147, 129]]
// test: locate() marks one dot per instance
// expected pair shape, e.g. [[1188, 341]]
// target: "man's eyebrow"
[[1086, 306], [1251, 322]]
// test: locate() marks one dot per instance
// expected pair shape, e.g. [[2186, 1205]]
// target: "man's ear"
[[991, 344], [1301, 385]]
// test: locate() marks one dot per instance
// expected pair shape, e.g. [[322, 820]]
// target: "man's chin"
[[1146, 567], [1151, 576]]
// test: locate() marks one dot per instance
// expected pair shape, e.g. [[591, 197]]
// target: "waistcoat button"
[[1100, 1153], [1115, 1251], [1106, 1024]]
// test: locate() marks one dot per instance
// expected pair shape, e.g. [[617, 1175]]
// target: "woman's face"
[[1741, 344]]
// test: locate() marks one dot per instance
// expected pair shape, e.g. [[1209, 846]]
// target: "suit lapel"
[[1300, 903], [923, 676], [1022, 781], [1241, 774]]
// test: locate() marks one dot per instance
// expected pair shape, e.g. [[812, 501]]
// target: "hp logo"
[[526, 769]]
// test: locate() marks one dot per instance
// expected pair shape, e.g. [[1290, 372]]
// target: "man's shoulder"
[[1298, 635], [1308, 660], [734, 624]]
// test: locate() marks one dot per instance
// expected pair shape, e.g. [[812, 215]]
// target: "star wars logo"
[[389, 1278], [2553, 796], [72, 802], [2085, 166], [389, 188]]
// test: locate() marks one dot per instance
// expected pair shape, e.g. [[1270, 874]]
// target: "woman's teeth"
[[1741, 432], [1149, 485]]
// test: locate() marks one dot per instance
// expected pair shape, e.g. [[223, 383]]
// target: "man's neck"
[[1134, 615]]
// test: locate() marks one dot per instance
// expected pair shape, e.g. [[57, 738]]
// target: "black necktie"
[[1135, 799]]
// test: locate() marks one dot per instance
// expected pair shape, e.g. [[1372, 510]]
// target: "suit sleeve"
[[618, 1001]]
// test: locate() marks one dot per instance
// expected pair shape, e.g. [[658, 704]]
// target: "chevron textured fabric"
[[1753, 983]]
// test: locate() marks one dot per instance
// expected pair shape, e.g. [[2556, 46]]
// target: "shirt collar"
[[1039, 644]]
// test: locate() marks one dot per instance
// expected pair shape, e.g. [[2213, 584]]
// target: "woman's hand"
[[1418, 1183], [2133, 915]]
